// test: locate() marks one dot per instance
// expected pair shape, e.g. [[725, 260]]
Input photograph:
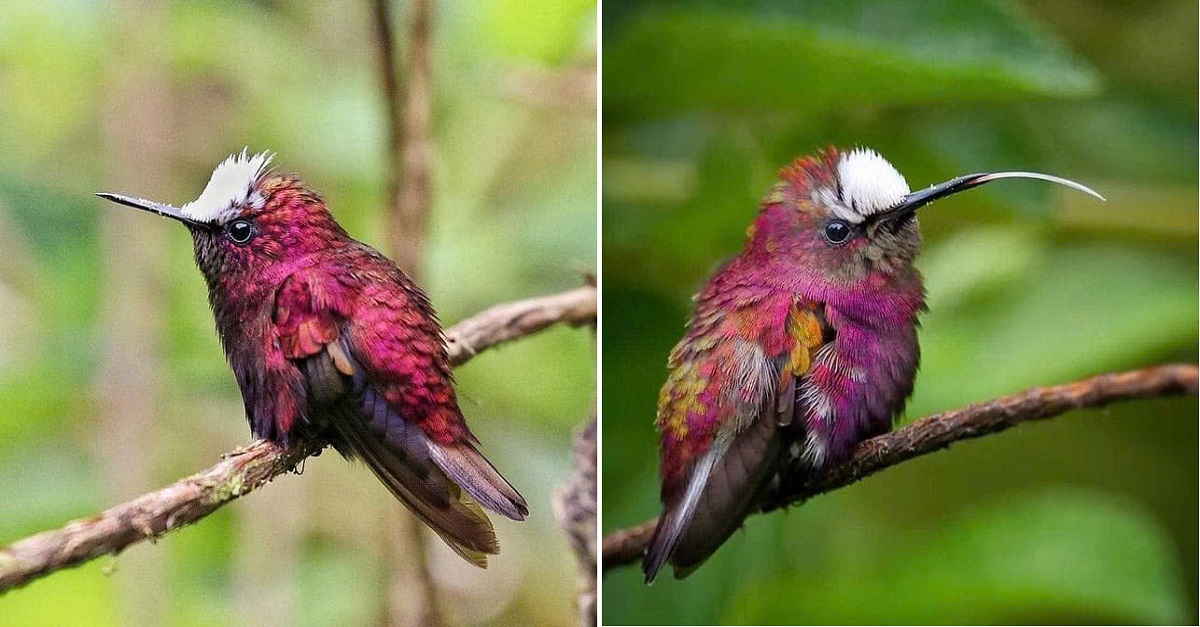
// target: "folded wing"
[[442, 480]]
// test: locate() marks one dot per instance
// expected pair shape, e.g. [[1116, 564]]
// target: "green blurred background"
[[1091, 517], [112, 381]]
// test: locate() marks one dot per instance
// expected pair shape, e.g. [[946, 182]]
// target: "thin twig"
[[416, 154], [240, 472], [409, 138], [575, 510], [385, 49], [512, 320], [939, 431], [411, 597]]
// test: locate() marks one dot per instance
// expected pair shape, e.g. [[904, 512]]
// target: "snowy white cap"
[[868, 185], [230, 188]]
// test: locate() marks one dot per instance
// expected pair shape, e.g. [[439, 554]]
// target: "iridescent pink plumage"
[[800, 347], [330, 341]]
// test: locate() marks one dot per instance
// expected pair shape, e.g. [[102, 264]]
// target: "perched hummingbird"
[[800, 347], [330, 341]]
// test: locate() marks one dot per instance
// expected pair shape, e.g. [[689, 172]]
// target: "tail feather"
[[400, 454], [471, 470], [677, 518], [724, 487], [427, 492]]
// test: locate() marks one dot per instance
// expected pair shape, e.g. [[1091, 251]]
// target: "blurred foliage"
[[514, 216], [1089, 518]]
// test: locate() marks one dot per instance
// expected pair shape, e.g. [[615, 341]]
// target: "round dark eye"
[[240, 231], [837, 232]]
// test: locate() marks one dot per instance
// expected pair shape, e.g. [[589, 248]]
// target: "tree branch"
[[409, 142], [246, 469], [939, 431], [575, 510], [411, 595], [513, 320]]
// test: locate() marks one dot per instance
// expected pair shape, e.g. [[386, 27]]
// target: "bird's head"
[[845, 215], [248, 218]]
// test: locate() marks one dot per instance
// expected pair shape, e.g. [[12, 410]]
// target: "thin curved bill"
[[920, 198]]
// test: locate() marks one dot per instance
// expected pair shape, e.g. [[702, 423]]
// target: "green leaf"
[[805, 57], [1076, 311], [1042, 557]]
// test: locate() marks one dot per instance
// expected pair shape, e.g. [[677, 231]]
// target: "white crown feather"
[[868, 184], [229, 189]]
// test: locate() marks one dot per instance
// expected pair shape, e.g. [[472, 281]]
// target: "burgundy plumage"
[[329, 340], [800, 347]]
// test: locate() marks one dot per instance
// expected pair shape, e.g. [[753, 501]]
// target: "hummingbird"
[[329, 341], [799, 348]]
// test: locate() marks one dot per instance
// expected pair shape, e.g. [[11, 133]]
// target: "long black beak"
[[900, 213], [167, 211]]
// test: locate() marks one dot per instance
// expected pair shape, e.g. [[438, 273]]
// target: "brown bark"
[[410, 593], [409, 136], [575, 509]]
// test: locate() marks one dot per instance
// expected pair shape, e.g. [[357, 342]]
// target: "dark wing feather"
[[724, 483], [403, 353], [398, 453], [365, 425], [732, 487]]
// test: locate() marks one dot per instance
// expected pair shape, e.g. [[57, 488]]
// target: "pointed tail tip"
[[653, 561], [520, 507], [474, 558], [475, 549], [513, 507], [468, 468]]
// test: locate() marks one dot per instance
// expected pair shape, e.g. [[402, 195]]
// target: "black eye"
[[240, 231], [837, 232]]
